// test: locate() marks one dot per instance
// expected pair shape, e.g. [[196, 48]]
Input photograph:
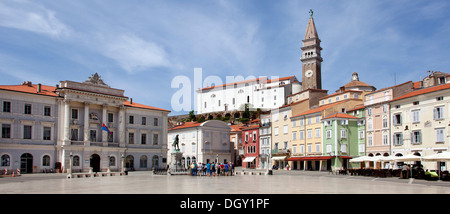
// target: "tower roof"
[[311, 31]]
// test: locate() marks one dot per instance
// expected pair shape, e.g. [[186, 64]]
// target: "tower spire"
[[311, 58]]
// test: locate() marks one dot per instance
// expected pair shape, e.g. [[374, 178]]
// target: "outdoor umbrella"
[[443, 156], [408, 157]]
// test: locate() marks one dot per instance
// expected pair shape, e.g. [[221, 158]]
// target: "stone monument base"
[[175, 167]]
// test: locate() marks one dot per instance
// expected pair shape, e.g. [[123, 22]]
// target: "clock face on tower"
[[308, 73]]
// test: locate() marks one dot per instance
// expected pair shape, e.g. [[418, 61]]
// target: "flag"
[[104, 128]]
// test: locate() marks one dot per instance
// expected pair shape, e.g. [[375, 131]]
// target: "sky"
[[141, 46]]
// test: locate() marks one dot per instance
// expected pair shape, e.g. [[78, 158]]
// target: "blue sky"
[[140, 46]]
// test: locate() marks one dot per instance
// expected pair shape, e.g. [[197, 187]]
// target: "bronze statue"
[[175, 144]]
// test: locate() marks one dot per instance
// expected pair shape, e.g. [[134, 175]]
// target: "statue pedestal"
[[175, 167]]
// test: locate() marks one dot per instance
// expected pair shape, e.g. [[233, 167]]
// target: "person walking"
[[208, 169]]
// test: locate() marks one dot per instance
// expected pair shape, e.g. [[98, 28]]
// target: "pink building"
[[378, 137]]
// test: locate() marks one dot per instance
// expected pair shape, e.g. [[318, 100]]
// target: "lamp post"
[[70, 165], [123, 163]]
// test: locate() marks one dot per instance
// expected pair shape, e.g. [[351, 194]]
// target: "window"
[[440, 135], [344, 148], [254, 136], [6, 131], [6, 160], [309, 148], [397, 119], [246, 137], [309, 133], [385, 139], [143, 161], [144, 121], [329, 148], [26, 132], [285, 129], [385, 107], [398, 139], [131, 119], [343, 133], [143, 138], [317, 147], [276, 130], [416, 137], [370, 140], [76, 160], [112, 161], [47, 133], [47, 110], [294, 123], [294, 136], [416, 116], [302, 135], [438, 113], [110, 117], [302, 149], [317, 119], [328, 134], [74, 134], [46, 160], [74, 113], [317, 132], [111, 137], [130, 138], [6, 106], [309, 120], [155, 139], [155, 122], [193, 147], [361, 134], [385, 123], [416, 103], [93, 136], [439, 98], [369, 111], [27, 109]]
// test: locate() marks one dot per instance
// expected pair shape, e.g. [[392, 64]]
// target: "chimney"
[[131, 100], [39, 88]]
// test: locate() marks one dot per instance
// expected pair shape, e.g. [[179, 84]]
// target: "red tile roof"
[[31, 89], [424, 91], [321, 108], [341, 115], [137, 105], [186, 125]]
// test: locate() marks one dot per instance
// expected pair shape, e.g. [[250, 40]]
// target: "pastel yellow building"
[[420, 123]]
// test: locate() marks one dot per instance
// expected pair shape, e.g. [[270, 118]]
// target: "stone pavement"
[[281, 182]]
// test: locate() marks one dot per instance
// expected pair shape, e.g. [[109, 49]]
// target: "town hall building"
[[95, 125]]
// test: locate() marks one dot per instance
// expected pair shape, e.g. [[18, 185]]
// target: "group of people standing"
[[211, 169]]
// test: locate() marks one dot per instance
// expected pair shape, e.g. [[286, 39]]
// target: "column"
[[104, 119], [122, 126], [86, 124], [66, 140]]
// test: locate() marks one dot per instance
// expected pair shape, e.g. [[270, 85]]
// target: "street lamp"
[[70, 165]]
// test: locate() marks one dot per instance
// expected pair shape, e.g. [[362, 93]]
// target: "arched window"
[[143, 161], [155, 161], [6, 160], [46, 160], [112, 161], [76, 160]]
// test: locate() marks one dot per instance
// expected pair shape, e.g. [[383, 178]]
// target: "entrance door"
[[95, 163], [26, 163]]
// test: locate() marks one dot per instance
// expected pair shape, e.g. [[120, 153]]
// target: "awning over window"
[[278, 158], [249, 159]]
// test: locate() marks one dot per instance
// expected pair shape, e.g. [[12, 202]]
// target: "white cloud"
[[133, 53], [28, 16]]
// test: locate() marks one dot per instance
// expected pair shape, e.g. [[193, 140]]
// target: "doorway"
[[26, 163], [95, 163]]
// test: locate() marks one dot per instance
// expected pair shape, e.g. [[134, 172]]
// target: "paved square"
[[281, 182]]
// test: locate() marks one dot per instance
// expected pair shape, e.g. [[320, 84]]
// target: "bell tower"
[[311, 58]]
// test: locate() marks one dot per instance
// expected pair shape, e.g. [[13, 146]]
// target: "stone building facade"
[[43, 127]]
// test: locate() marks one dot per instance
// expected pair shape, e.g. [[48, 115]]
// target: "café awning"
[[316, 158], [249, 159], [278, 157]]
